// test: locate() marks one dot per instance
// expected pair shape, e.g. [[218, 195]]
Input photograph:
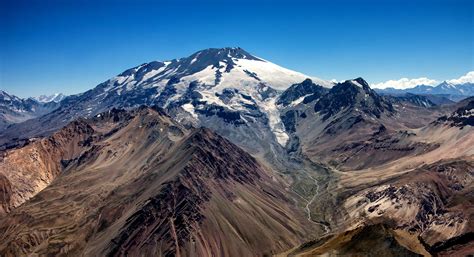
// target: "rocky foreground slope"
[[143, 184]]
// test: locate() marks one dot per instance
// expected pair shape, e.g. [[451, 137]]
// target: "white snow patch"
[[206, 76], [275, 122], [153, 73], [190, 108], [274, 75], [356, 83], [195, 58], [299, 100]]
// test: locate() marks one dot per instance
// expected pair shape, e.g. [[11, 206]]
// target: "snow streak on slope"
[[255, 81]]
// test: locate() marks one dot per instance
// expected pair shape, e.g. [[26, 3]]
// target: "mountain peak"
[[57, 97], [362, 82], [359, 82], [354, 93], [446, 84], [216, 56]]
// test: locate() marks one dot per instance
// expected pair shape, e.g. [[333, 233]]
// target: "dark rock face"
[[167, 92], [229, 93], [221, 112], [463, 116], [190, 96], [211, 56], [380, 147], [417, 100], [289, 120], [173, 214], [143, 69], [5, 192], [307, 87], [113, 115], [444, 248], [169, 215], [349, 95]]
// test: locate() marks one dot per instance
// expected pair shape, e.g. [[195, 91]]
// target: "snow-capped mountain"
[[57, 97], [449, 89], [6, 98], [216, 80], [14, 109], [215, 67], [217, 86]]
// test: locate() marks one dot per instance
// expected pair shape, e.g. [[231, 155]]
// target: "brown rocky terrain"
[[423, 201], [369, 240], [26, 171], [427, 211], [147, 186], [351, 127]]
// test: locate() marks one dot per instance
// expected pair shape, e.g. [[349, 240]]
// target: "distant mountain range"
[[454, 92], [15, 110], [57, 97]]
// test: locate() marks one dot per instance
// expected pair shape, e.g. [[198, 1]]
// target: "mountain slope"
[[15, 110], [463, 116], [370, 240], [57, 97], [227, 89], [146, 185], [28, 170], [423, 199], [352, 127]]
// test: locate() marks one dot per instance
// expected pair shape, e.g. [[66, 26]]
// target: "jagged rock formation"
[[350, 127], [305, 92], [352, 94]]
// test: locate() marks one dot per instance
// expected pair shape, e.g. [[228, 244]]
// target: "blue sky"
[[71, 46]]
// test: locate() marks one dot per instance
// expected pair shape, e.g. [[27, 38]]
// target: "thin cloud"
[[405, 83], [468, 78]]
